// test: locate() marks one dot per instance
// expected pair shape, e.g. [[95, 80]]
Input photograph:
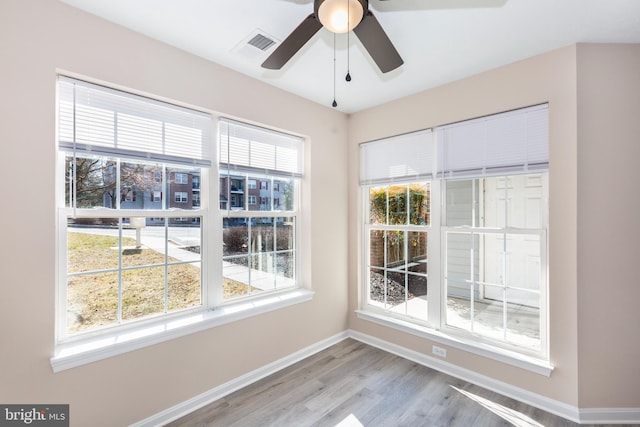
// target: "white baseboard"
[[583, 416], [610, 416], [229, 387]]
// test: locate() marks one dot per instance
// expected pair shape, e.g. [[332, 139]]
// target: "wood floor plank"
[[352, 384]]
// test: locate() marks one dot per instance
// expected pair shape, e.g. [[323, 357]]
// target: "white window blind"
[[252, 149], [515, 141], [104, 121], [402, 157]]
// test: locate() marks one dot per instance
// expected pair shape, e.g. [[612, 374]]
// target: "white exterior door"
[[513, 260]]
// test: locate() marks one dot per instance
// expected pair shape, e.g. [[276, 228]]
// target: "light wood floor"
[[352, 384]]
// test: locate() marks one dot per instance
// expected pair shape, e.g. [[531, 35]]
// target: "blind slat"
[[512, 142], [94, 118], [516, 140], [248, 148], [397, 158]]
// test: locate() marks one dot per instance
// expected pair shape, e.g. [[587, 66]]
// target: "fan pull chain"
[[334, 103], [348, 76]]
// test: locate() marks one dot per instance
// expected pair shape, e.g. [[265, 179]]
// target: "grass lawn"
[[92, 299]]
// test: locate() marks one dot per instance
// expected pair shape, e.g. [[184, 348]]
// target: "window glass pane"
[[496, 195], [137, 185], [92, 301], [515, 201], [460, 306], [395, 249], [258, 194], [376, 248], [462, 203], [285, 269], [136, 253], [181, 189], [398, 204], [461, 263], [417, 247], [378, 205], [262, 235], [504, 286], [263, 271], [235, 271], [401, 286], [523, 264], [419, 204], [232, 191], [285, 227], [142, 292], [95, 181], [184, 287], [270, 261], [90, 248], [283, 194], [383, 290], [523, 321], [235, 236], [184, 234]]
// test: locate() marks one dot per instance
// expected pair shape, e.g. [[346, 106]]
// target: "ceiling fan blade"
[[376, 42], [292, 43]]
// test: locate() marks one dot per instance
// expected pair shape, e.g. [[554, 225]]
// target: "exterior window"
[[494, 237], [397, 233], [181, 197], [127, 255], [260, 248], [181, 178], [463, 249], [122, 256]]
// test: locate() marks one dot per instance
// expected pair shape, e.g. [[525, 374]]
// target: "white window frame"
[[93, 345], [253, 200], [435, 327], [267, 158]]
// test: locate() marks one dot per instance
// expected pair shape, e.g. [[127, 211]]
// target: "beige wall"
[[547, 78], [594, 116], [37, 37], [608, 225], [594, 323]]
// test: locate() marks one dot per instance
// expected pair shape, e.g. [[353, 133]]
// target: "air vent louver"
[[261, 42]]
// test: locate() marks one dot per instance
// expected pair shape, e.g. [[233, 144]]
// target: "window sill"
[[512, 358], [92, 349]]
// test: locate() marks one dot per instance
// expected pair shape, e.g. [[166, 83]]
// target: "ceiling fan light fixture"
[[340, 16]]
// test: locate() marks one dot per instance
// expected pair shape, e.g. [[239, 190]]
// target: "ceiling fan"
[[340, 16]]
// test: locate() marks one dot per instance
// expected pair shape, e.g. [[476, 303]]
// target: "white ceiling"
[[439, 40]]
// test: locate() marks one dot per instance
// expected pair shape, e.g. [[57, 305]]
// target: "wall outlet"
[[439, 351]]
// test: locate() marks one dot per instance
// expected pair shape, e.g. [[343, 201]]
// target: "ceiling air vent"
[[255, 45], [261, 41]]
